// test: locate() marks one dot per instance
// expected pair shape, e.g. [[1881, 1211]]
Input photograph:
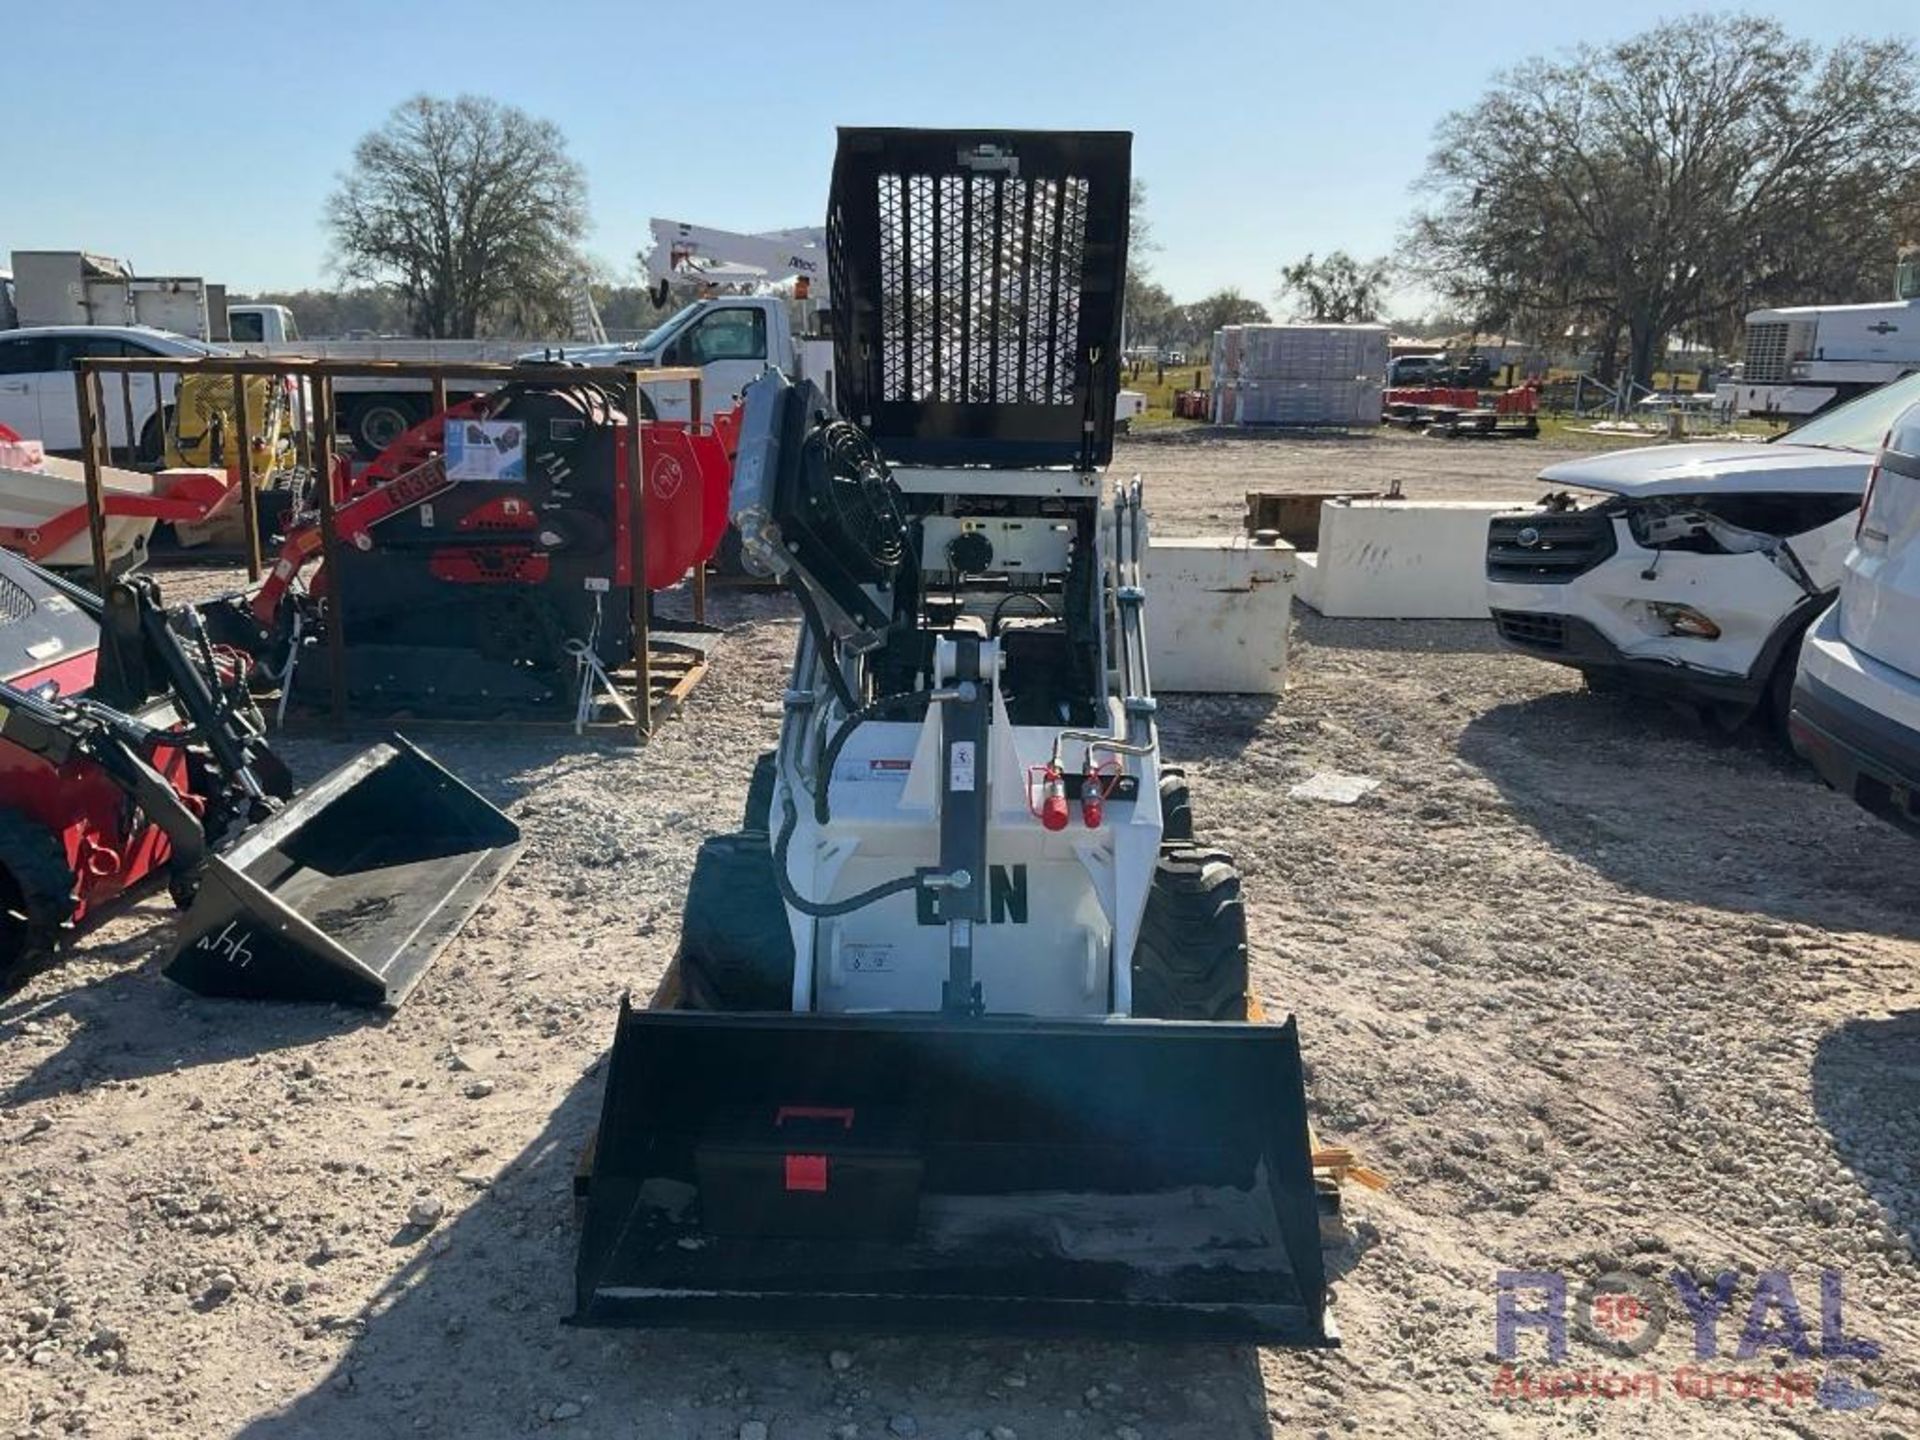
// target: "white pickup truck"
[[730, 340]]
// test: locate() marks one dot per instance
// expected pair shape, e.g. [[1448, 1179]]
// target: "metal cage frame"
[[978, 278]]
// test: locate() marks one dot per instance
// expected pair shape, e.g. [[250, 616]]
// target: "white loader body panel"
[[1064, 904]]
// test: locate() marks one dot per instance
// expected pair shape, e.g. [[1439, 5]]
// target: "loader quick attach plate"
[[350, 892], [1146, 1179]]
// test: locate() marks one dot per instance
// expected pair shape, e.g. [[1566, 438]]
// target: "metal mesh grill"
[[1766, 358], [976, 281], [15, 602], [893, 290], [980, 287]]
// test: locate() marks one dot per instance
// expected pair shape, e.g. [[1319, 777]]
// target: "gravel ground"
[[1595, 991]]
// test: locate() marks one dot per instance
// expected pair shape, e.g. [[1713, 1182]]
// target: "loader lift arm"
[[119, 744]]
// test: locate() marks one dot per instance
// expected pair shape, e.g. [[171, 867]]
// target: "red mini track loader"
[[131, 751]]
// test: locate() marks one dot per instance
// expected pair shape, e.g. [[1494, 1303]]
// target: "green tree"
[[1148, 305], [1222, 308], [1338, 290], [1671, 182], [470, 209], [1152, 316]]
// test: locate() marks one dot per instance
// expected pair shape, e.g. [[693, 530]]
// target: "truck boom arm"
[[705, 255]]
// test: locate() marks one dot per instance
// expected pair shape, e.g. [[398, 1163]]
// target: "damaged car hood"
[[1725, 469]]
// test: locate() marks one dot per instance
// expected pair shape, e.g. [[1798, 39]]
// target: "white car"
[[1697, 569], [37, 397], [1856, 703]]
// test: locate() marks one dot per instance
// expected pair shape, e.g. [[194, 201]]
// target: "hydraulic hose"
[[879, 709], [818, 910], [823, 642], [1000, 609]]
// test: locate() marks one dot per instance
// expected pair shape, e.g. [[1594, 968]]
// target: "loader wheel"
[[1176, 806], [1190, 962], [36, 892], [736, 952], [375, 423], [759, 811]]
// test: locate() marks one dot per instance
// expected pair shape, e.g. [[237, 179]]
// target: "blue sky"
[[1262, 130]]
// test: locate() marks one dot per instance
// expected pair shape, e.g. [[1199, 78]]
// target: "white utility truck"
[[1803, 358], [72, 287], [374, 409]]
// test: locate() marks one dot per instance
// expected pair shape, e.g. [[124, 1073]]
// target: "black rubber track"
[[1176, 806], [736, 952], [1191, 959], [759, 811]]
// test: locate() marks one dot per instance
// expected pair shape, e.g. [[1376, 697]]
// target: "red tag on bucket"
[[807, 1172]]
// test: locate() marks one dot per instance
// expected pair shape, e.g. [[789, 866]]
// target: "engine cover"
[[510, 570]]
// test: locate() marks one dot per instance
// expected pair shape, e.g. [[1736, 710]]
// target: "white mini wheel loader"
[[962, 1034]]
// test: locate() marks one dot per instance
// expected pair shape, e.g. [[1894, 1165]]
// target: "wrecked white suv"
[[1693, 571]]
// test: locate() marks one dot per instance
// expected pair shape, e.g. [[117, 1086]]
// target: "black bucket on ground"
[[350, 891], [1145, 1179]]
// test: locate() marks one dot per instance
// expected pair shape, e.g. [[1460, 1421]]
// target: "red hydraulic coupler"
[[1092, 798], [1053, 799]]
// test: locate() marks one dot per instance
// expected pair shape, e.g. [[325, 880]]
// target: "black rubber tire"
[[759, 811], [1191, 959], [378, 416], [152, 445], [1778, 704], [1176, 806], [736, 952], [36, 892]]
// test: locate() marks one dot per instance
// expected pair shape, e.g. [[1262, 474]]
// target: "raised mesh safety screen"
[[976, 280]]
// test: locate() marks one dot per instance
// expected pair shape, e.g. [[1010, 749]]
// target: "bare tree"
[[1671, 182], [1339, 289], [470, 208]]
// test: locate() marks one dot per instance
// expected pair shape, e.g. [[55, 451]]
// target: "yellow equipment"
[[206, 433]]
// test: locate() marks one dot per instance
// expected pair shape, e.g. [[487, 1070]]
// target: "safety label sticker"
[[867, 957], [883, 769]]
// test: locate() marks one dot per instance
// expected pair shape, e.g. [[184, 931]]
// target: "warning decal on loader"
[[867, 956], [880, 769]]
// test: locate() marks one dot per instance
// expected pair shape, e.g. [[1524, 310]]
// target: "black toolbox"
[[810, 1171]]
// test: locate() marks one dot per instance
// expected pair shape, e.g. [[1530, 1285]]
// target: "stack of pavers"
[[1299, 374]]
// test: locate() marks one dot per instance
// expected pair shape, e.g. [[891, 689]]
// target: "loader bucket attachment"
[[1143, 1179], [349, 892]]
